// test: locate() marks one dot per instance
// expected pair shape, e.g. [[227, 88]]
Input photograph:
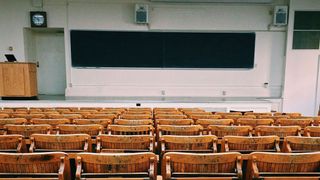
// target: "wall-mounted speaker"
[[141, 14], [280, 17]]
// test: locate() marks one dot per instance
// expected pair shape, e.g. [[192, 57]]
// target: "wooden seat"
[[12, 143], [183, 166], [71, 143], [170, 116], [28, 130], [295, 122], [91, 108], [291, 114], [53, 122], [301, 144], [212, 116], [316, 120], [103, 122], [312, 131], [280, 131], [133, 122], [199, 144], [101, 116], [125, 143], [4, 115], [130, 130], [206, 122], [136, 116], [91, 166], [254, 122], [17, 121], [221, 131], [257, 114], [179, 130], [250, 144], [92, 129], [284, 166], [174, 122], [28, 116], [65, 116], [27, 166]]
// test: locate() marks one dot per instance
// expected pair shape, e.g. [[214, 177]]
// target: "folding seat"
[[133, 122], [65, 116], [27, 166], [179, 130], [295, 122], [116, 166], [6, 121], [4, 115], [136, 116], [254, 122], [130, 130], [53, 122], [280, 131], [174, 122], [101, 116], [220, 130], [212, 116], [28, 116], [201, 166], [206, 122], [312, 131], [284, 166], [12, 143], [170, 116], [28, 130], [91, 129], [297, 144], [103, 122], [291, 114], [125, 143], [246, 145]]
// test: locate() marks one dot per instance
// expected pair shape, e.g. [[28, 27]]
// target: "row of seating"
[[145, 143], [218, 130], [175, 165]]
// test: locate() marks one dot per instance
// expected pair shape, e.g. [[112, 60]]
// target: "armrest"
[[100, 130], [49, 131], [58, 130], [163, 146], [61, 168], [307, 132], [98, 147], [255, 170], [277, 146], [168, 169], [86, 145], [287, 147], [239, 167], [109, 130], [32, 146], [78, 168], [299, 132], [19, 147], [214, 146], [151, 147], [5, 131], [226, 146], [152, 174], [250, 133]]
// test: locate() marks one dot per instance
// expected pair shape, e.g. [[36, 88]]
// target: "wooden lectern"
[[18, 79]]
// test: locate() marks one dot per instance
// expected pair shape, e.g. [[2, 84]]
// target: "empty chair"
[[125, 143], [221, 131], [44, 166], [4, 115], [91, 108], [254, 122], [170, 116], [174, 122], [199, 144], [312, 131], [291, 114], [212, 116], [250, 144], [257, 114], [65, 116], [28, 116], [17, 121], [92, 129], [136, 116], [133, 122], [301, 144], [103, 122], [116, 166], [275, 166], [130, 130], [176, 165], [316, 120], [12, 143], [179, 130], [206, 122], [101, 116], [71, 143], [53, 122], [280, 131], [295, 122], [28, 130]]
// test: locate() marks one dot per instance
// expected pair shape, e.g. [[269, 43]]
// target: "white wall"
[[118, 15], [302, 66]]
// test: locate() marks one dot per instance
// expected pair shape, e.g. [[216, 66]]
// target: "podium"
[[18, 80]]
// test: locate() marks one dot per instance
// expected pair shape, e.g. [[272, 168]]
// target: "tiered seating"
[[132, 130]]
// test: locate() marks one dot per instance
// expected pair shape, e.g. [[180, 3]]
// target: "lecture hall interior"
[[159, 89]]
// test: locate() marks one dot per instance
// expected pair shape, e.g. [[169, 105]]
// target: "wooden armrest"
[[79, 168], [61, 168], [168, 169]]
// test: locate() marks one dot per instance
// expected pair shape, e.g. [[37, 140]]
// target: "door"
[[50, 56]]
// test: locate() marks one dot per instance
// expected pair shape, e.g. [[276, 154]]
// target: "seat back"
[[284, 165], [51, 165], [130, 130], [17, 121], [312, 131], [92, 129], [53, 122], [101, 116], [136, 116], [249, 144], [103, 122], [65, 142], [12, 143], [133, 122], [205, 143], [221, 131], [301, 144], [170, 116], [97, 165], [174, 122], [125, 143], [28, 130], [254, 122], [202, 166], [179, 130], [280, 131], [206, 122], [295, 122]]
